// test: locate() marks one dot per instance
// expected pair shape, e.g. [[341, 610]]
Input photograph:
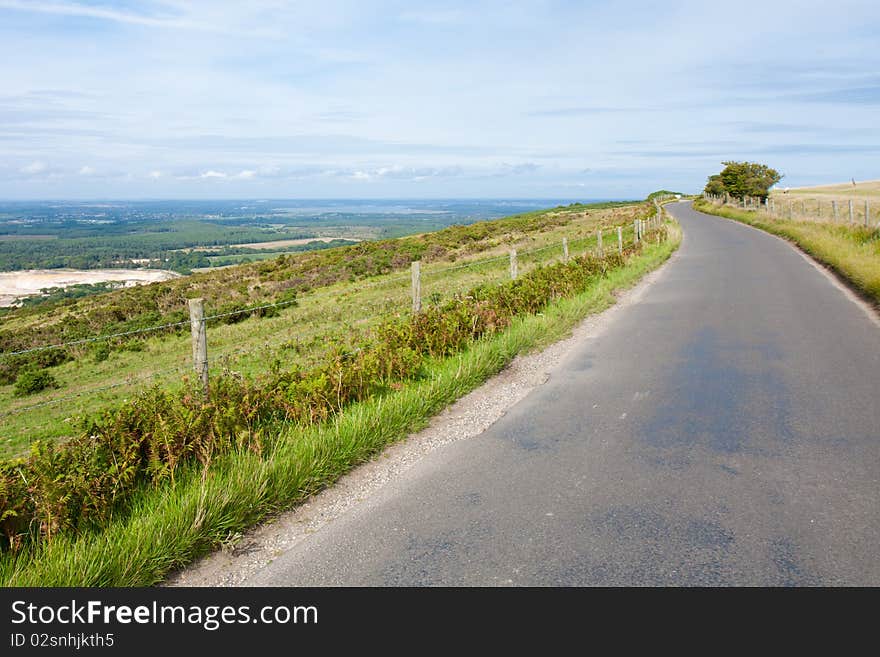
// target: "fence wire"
[[388, 279]]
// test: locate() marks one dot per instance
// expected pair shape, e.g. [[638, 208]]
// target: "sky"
[[387, 99]]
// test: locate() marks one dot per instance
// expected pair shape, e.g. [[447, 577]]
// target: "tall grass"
[[853, 252], [169, 526]]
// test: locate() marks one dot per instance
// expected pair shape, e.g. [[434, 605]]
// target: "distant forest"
[[162, 234]]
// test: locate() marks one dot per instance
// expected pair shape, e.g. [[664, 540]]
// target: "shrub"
[[11, 366], [31, 381], [101, 352]]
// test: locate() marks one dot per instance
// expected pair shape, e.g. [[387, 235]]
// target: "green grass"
[[852, 251], [297, 335], [169, 526]]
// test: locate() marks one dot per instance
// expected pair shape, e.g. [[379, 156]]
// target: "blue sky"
[[553, 99]]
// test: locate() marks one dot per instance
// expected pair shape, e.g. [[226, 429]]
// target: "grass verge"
[[171, 525], [852, 252]]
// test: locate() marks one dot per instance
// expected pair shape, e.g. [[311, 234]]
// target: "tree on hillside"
[[743, 179]]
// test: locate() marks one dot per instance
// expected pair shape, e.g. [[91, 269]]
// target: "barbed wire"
[[254, 309], [98, 338], [130, 381], [389, 279]]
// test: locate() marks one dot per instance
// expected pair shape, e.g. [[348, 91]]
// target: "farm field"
[[868, 189]]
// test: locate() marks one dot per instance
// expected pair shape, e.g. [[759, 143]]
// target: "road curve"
[[724, 431]]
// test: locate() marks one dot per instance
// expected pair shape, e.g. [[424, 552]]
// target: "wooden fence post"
[[599, 248], [564, 249], [513, 265], [416, 287], [867, 214], [620, 240], [834, 210], [851, 216], [199, 340], [636, 231]]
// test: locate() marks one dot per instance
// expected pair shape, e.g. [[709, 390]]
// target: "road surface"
[[724, 431]]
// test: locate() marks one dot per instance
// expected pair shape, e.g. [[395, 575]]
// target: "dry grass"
[[818, 203], [868, 190]]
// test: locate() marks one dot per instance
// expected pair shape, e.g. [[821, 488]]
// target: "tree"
[[714, 186], [741, 179]]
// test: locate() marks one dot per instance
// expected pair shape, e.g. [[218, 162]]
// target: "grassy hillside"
[[340, 295]]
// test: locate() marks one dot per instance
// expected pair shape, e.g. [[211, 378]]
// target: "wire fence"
[[225, 357], [841, 210], [386, 280]]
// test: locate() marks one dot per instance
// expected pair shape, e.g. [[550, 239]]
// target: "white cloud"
[[74, 9], [87, 171], [34, 168], [370, 96]]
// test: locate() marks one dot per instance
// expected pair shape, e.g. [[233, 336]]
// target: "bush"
[[31, 381], [11, 366], [101, 352]]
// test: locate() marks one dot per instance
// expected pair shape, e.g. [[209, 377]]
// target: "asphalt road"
[[724, 430]]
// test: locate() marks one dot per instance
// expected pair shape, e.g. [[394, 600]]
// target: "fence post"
[[804, 208], [416, 287], [636, 231], [599, 243], [867, 214], [620, 240], [790, 209], [851, 217], [199, 340], [564, 249], [513, 265], [834, 210]]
